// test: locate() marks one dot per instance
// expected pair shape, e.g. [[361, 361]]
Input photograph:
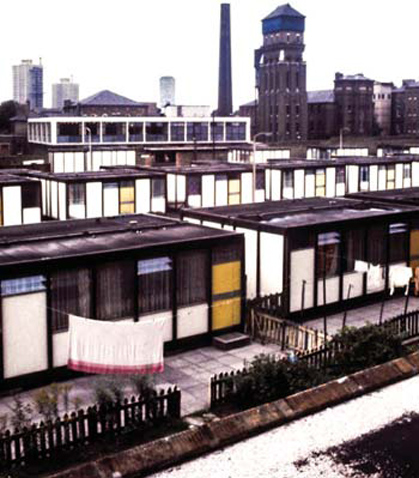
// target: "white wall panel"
[[332, 290], [58, 163], [299, 186], [399, 176], [382, 179], [357, 281], [340, 189], [158, 204], [121, 158], [111, 201], [94, 199], [379, 285], [310, 185], [69, 162], [374, 177], [302, 269], [12, 205], [167, 316], [250, 249], [276, 186], [171, 187], [221, 191], [142, 195], [271, 263], [194, 200], [131, 158], [208, 190], [62, 203], [415, 173], [24, 334], [107, 158], [181, 188], [79, 162], [31, 215], [330, 182], [288, 193], [60, 349], [260, 195], [192, 320], [353, 175], [97, 160], [246, 188], [54, 199]]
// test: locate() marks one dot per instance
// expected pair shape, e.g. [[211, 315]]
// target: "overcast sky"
[[126, 45]]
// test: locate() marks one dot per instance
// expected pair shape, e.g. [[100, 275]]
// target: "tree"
[[8, 109]]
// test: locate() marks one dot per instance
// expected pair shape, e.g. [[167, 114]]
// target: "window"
[[23, 285], [197, 132], [320, 182], [328, 254], [391, 177], [235, 131], [1, 207], [156, 131], [340, 175], [398, 242], [77, 194], [70, 294], [31, 195], [158, 187], [376, 245], [288, 179], [364, 174], [260, 180], [234, 189], [407, 171], [191, 277], [115, 290], [154, 285], [217, 131], [127, 197], [136, 132], [177, 131], [354, 248], [194, 185]]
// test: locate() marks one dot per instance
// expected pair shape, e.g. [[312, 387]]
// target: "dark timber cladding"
[[225, 95], [281, 76]]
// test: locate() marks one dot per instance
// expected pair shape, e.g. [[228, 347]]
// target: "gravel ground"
[[305, 447]]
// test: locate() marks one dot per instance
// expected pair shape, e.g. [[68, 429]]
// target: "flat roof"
[[286, 214], [198, 168], [105, 174], [8, 179], [403, 196], [54, 240]]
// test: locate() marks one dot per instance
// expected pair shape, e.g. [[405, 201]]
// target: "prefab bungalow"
[[102, 193], [20, 200], [295, 179], [115, 269], [212, 185], [305, 179], [308, 250]]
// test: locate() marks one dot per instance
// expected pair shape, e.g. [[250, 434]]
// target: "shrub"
[[142, 384], [21, 413], [46, 401], [108, 389], [365, 347]]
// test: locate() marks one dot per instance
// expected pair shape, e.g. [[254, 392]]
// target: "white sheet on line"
[[97, 346]]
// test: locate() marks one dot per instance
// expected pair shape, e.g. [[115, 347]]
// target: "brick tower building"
[[281, 76]]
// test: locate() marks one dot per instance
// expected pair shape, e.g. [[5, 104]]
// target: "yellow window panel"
[[390, 185], [233, 199], [414, 243], [320, 179], [320, 192], [226, 313], [413, 264], [234, 186], [226, 277], [391, 174], [127, 208], [127, 194]]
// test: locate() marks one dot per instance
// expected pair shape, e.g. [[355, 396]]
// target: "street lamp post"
[[262, 133]]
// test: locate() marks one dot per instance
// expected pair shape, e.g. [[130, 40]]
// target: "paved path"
[[190, 371], [360, 316]]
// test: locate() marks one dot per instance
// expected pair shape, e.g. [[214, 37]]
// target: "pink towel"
[[97, 346]]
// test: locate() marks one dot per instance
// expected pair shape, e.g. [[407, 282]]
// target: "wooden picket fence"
[[288, 335], [47, 440], [223, 386]]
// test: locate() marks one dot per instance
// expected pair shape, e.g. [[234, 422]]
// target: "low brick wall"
[[151, 457]]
